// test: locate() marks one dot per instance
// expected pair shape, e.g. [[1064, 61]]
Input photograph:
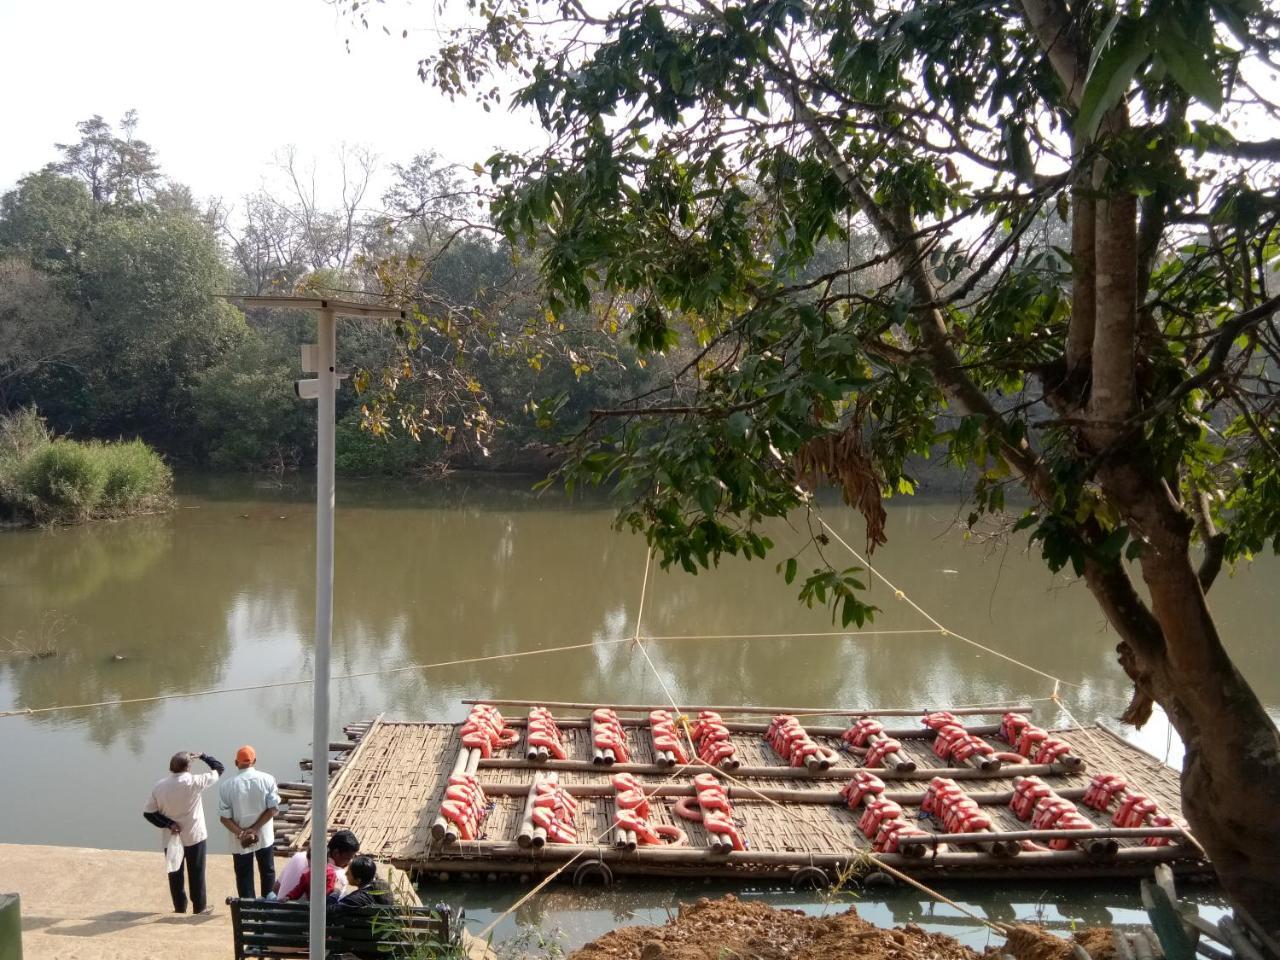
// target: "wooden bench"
[[271, 928]]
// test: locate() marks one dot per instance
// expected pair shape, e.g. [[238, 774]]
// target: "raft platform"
[[388, 781]]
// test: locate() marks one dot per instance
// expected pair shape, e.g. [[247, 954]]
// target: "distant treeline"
[[114, 321]]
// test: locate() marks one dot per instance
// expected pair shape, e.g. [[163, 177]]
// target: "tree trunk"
[[1231, 773]]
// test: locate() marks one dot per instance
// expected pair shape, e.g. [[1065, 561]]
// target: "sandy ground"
[[79, 903], [85, 904]]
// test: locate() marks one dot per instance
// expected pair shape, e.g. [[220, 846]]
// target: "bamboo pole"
[[306, 764], [525, 836], [817, 730], [600, 756], [1095, 833], [797, 711], [780, 772], [894, 761], [777, 794], [442, 829], [494, 850]]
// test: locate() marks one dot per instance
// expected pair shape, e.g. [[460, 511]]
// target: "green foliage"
[[247, 414], [136, 478], [62, 482], [54, 480], [806, 213], [360, 454]]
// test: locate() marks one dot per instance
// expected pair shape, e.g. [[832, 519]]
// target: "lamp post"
[[321, 358]]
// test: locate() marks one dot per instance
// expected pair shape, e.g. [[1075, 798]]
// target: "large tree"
[[702, 151]]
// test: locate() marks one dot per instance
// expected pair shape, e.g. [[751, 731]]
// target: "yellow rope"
[[595, 841], [1118, 764], [698, 761], [29, 711], [901, 595]]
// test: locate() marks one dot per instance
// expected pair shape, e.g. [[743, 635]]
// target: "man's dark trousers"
[[244, 871], [193, 856]]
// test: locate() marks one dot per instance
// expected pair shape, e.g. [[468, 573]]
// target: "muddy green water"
[[219, 594]]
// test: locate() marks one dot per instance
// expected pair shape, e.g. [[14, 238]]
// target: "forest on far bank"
[[115, 320]]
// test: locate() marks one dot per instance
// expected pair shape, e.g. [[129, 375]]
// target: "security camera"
[[310, 389]]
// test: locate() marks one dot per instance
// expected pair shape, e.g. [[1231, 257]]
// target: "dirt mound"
[[1032, 943], [729, 929]]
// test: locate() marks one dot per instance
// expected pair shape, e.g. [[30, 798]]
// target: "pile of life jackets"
[[864, 785], [543, 737], [666, 740], [486, 731], [607, 735], [953, 742], [632, 814], [866, 734], [1135, 810], [465, 805], [882, 821], [712, 739], [947, 803], [791, 742], [555, 810], [1031, 742], [714, 812], [1034, 800]]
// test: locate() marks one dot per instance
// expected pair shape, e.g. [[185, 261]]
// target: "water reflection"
[[219, 594]]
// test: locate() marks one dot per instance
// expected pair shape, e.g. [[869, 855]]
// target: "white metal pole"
[[326, 350]]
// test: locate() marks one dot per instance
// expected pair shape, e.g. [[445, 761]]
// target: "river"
[[218, 594]]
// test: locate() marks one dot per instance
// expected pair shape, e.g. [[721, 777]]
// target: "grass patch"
[[46, 479]]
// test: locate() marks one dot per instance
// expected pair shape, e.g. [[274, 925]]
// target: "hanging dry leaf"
[[839, 459]]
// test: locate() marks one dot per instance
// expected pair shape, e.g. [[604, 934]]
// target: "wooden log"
[[797, 711], [341, 746], [295, 785], [334, 765]]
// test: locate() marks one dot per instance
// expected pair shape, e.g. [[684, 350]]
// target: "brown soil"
[[729, 929]]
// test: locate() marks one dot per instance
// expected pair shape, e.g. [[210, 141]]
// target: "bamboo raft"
[[387, 783]]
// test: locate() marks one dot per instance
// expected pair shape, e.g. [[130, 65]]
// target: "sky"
[[221, 86]]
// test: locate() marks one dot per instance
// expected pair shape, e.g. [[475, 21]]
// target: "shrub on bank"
[[62, 482], [136, 478], [55, 480]]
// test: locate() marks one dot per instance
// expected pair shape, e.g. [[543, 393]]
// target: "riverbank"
[[80, 903]]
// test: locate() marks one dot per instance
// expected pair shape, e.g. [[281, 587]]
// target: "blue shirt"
[[242, 798]]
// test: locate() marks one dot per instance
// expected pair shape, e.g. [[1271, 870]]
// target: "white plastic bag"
[[173, 853]]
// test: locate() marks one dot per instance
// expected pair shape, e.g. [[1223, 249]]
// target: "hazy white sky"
[[221, 85]]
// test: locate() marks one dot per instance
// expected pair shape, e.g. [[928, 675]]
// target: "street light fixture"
[[321, 358]]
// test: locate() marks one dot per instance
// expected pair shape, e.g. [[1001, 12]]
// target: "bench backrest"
[[271, 928]]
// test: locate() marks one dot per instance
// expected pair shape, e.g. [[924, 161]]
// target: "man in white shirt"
[[174, 806], [247, 805]]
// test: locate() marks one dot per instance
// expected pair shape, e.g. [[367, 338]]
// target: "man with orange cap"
[[247, 804]]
